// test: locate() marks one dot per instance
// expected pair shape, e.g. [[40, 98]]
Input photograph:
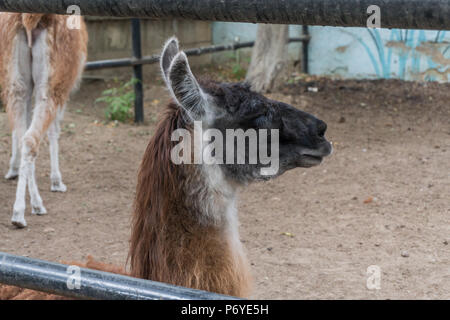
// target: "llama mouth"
[[307, 161], [317, 155], [312, 160], [317, 158]]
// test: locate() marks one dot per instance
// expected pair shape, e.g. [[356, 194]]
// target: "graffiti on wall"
[[419, 55], [422, 55]]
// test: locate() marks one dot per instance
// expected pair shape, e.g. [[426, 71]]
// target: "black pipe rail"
[[409, 14], [305, 50], [137, 71], [131, 62], [65, 280]]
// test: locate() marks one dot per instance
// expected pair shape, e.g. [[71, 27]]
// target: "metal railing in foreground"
[[410, 14], [82, 283]]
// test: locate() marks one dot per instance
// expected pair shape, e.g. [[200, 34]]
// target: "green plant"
[[119, 101], [238, 72]]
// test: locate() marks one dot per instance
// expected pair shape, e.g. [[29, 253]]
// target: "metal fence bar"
[[129, 62], [305, 50], [56, 278], [137, 71], [409, 14]]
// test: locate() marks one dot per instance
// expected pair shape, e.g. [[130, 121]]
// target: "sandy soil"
[[381, 199]]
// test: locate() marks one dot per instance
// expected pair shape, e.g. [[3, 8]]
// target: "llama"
[[40, 55], [185, 224]]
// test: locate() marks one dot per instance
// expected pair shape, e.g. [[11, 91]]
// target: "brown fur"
[[40, 56], [30, 23], [67, 47], [168, 242], [9, 25]]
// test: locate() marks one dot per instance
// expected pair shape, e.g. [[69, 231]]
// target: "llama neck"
[[209, 204], [215, 197], [185, 227]]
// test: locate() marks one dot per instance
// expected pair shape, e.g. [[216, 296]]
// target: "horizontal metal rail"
[[82, 283], [129, 62], [406, 14]]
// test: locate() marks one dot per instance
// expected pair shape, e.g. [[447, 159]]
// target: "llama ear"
[[170, 50], [184, 86]]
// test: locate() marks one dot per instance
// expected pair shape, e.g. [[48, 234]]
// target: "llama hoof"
[[18, 220], [58, 187], [38, 210], [12, 174]]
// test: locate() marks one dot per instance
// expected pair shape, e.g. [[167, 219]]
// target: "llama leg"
[[37, 206], [20, 100], [44, 114], [18, 218], [53, 135], [20, 93], [17, 134], [14, 163], [30, 145]]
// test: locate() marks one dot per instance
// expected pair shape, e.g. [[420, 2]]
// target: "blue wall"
[[380, 53], [227, 32], [363, 53]]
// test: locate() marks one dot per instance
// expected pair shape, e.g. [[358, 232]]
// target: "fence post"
[[137, 70], [305, 48]]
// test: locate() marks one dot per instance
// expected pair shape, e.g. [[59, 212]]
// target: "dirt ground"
[[381, 199]]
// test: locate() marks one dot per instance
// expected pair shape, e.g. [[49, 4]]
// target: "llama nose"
[[321, 128]]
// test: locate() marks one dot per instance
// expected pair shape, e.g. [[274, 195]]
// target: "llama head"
[[247, 135]]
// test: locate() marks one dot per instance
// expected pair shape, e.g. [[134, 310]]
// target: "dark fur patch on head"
[[235, 97]]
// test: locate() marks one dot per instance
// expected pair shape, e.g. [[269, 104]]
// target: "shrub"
[[119, 101]]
